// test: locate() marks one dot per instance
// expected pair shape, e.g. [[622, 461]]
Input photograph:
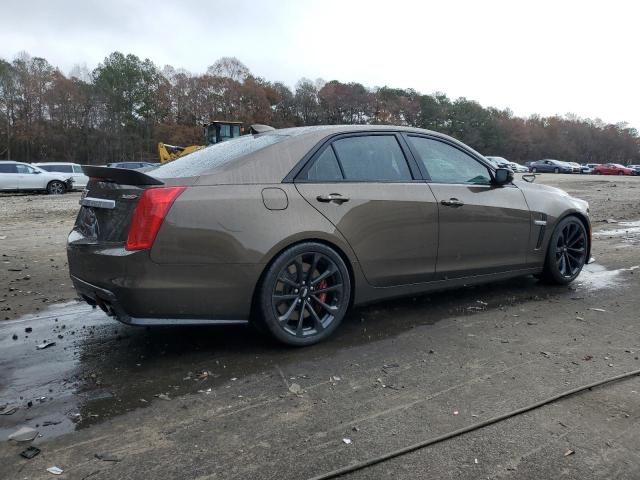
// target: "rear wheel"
[[567, 252], [56, 187], [556, 170], [305, 294], [620, 173]]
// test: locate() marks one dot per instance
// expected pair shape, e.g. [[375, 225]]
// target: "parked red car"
[[612, 169]]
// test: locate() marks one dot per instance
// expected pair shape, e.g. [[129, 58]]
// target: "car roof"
[[55, 163], [273, 163]]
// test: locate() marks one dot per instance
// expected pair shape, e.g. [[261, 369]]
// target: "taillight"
[[149, 215]]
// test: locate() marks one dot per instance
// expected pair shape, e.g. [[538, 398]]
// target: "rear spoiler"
[[122, 176]]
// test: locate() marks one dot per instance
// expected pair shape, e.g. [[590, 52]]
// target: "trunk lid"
[[107, 205]]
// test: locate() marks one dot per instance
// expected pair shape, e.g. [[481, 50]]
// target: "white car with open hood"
[[23, 177]]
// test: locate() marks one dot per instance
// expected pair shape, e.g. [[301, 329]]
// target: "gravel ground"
[[211, 403]]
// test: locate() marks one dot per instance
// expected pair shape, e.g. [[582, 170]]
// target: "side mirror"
[[37, 171], [503, 176]]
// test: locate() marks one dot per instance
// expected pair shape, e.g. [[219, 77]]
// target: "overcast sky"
[[547, 57]]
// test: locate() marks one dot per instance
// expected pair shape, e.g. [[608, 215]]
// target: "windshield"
[[215, 156]]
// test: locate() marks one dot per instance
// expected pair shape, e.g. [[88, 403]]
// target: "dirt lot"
[[218, 403]]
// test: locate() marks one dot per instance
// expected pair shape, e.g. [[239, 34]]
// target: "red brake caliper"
[[322, 285]]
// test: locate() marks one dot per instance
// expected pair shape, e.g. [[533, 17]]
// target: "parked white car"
[[80, 180], [22, 177]]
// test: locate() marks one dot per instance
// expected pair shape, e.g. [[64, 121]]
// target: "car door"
[[79, 178], [368, 188], [8, 176], [29, 178], [483, 228]]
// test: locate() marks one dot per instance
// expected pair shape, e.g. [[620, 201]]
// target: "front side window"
[[77, 169], [25, 169], [447, 164], [372, 158]]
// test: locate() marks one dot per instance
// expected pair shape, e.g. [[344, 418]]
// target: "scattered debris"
[[546, 354], [456, 412], [44, 345], [55, 470], [334, 378], [30, 452], [28, 330], [532, 323], [569, 452], [347, 441], [9, 410], [49, 423], [296, 389], [14, 337], [391, 365], [207, 391], [475, 460], [107, 457], [482, 303], [580, 319], [588, 357], [598, 309], [355, 429], [3, 237], [162, 396], [24, 434]]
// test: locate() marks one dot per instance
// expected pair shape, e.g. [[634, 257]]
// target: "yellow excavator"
[[214, 132]]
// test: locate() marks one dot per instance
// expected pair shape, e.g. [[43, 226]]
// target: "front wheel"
[[567, 252], [305, 294], [620, 173], [534, 170], [556, 170], [56, 188]]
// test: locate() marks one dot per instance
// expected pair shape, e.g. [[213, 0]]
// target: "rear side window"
[[8, 168], [325, 168], [57, 168], [216, 156], [373, 158], [77, 169]]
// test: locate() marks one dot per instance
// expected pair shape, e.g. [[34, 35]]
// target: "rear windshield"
[[215, 156]]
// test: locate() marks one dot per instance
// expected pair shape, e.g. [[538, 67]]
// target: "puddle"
[[595, 277]]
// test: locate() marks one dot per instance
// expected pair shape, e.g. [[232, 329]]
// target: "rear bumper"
[[108, 302], [138, 291]]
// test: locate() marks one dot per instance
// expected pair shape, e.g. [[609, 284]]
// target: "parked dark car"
[[635, 168], [612, 169], [292, 227], [550, 166], [132, 165]]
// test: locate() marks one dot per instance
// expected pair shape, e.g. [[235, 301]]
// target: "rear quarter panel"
[[230, 224]]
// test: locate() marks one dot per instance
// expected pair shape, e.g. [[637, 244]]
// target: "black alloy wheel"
[[567, 251], [305, 294]]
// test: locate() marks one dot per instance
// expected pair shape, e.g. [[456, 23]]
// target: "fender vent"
[[542, 222]]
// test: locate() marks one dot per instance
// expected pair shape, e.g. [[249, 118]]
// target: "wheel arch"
[[273, 255], [585, 222]]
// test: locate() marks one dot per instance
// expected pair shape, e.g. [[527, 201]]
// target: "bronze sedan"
[[291, 227]]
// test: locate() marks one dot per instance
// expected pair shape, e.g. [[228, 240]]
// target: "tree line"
[[121, 109]]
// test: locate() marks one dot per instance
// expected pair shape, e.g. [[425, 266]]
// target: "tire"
[[556, 170], [292, 311], [598, 173], [567, 252], [620, 173], [534, 170], [56, 187]]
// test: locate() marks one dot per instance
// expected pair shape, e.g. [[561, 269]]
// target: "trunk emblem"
[[129, 196]]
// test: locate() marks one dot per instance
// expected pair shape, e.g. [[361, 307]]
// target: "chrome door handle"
[[332, 197], [452, 202]]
